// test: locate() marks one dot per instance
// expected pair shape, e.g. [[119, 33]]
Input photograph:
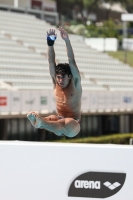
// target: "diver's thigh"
[[51, 118], [72, 127]]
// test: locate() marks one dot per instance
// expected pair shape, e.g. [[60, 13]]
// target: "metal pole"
[[124, 37], [16, 3], [42, 13], [62, 20], [57, 19], [131, 141]]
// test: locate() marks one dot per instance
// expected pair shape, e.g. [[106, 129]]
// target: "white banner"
[[44, 101], [101, 100], [53, 104], [116, 100], [35, 99], [16, 101], [127, 44], [127, 100], [93, 100], [48, 171], [5, 101], [26, 101], [101, 44], [85, 101], [108, 100]]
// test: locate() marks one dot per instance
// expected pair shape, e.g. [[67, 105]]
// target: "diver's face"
[[63, 80]]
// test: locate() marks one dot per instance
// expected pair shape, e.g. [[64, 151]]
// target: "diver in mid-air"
[[67, 91]]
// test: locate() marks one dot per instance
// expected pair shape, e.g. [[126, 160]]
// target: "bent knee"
[[72, 127]]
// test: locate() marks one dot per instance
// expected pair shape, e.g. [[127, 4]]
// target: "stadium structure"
[[25, 82]]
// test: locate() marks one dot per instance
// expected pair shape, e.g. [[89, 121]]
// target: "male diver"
[[67, 92]]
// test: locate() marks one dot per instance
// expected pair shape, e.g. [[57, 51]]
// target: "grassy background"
[[108, 139], [120, 55]]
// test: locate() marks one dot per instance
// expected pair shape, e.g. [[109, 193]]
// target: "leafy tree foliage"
[[108, 30], [65, 6]]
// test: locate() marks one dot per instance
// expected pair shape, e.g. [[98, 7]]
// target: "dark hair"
[[63, 68]]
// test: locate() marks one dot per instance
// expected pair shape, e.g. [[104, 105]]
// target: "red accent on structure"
[[3, 101], [36, 4]]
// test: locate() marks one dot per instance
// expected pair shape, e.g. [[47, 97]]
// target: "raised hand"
[[51, 32], [51, 37], [63, 34]]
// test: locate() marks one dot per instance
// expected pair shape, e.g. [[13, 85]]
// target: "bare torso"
[[68, 100]]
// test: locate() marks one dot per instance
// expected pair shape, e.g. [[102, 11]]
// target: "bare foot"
[[35, 119]]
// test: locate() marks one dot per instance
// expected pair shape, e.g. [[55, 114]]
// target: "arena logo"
[[97, 184], [87, 184]]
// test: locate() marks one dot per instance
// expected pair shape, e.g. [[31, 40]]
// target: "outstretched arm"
[[51, 55], [71, 59]]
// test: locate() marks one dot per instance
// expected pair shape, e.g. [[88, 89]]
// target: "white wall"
[[24, 3], [7, 2], [101, 44], [27, 3], [39, 171], [43, 101], [21, 3], [127, 44]]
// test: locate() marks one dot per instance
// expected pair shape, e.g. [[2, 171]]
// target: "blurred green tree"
[[109, 29], [65, 7], [90, 4]]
